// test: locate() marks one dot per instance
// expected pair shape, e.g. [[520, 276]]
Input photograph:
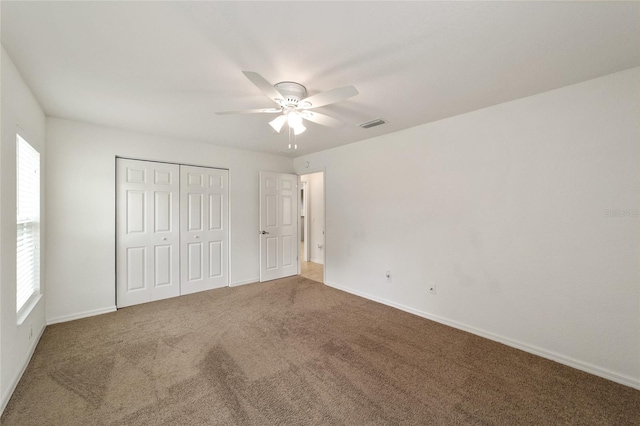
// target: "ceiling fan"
[[293, 104]]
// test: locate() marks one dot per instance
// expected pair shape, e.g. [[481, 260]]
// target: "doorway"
[[312, 226]]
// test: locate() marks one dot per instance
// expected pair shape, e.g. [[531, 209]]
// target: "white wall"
[[315, 210], [505, 210], [17, 342], [81, 185]]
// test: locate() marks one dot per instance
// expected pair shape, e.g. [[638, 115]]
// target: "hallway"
[[310, 270]]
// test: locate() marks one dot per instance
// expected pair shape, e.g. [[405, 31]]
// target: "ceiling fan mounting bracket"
[[293, 92]]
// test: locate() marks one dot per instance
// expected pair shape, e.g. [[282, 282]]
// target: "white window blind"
[[28, 222]]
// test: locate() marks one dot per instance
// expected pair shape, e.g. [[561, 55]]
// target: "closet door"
[[204, 228], [147, 231]]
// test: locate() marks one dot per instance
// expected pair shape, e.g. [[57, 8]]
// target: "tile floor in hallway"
[[311, 270]]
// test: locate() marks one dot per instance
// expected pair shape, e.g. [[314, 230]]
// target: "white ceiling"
[[164, 68]]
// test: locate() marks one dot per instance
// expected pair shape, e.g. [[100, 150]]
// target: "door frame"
[[302, 188], [310, 171]]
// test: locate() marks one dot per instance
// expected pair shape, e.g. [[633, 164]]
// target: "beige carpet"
[[296, 352]]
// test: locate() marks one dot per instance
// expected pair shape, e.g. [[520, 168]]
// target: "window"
[[28, 222]]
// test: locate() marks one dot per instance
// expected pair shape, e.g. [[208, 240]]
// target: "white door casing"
[[147, 231], [306, 211], [204, 228], [279, 242]]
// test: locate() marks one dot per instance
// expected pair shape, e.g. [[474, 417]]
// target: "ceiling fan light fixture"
[[299, 129], [294, 119], [293, 103], [278, 122]]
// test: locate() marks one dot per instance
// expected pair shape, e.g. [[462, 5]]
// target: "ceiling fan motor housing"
[[293, 92]]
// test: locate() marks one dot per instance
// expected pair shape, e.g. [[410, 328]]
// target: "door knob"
[[197, 236], [164, 238], [264, 232]]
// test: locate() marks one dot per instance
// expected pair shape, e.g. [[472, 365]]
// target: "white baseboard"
[[553, 356], [251, 281], [85, 314], [14, 383], [318, 261]]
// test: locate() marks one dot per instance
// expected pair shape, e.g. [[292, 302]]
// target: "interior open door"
[[278, 225]]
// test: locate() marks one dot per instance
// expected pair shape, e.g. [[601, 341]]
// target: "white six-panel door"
[[204, 233], [148, 234], [278, 225]]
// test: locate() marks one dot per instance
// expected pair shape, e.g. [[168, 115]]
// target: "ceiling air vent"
[[372, 123]]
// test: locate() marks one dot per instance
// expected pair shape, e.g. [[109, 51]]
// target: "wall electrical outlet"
[[388, 275], [432, 288]]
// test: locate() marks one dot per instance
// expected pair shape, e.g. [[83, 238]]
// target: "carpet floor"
[[296, 352]]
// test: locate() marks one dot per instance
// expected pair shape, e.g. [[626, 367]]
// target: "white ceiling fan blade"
[[321, 119], [251, 111], [262, 84], [328, 97]]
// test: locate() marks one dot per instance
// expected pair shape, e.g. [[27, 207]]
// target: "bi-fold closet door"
[[204, 228], [172, 230]]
